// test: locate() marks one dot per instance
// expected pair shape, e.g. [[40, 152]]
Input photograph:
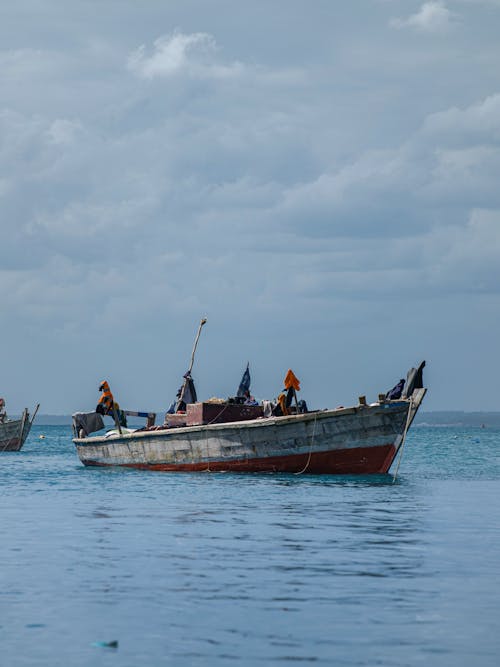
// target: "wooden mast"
[[188, 374]]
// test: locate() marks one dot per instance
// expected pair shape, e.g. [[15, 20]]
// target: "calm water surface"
[[225, 569]]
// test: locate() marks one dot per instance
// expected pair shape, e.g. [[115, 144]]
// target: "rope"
[[407, 426], [206, 440], [217, 417], [310, 448], [207, 469], [220, 413]]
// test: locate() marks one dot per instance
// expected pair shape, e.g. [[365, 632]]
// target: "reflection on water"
[[198, 569]]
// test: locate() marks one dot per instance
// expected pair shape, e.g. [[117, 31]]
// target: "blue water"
[[225, 569]]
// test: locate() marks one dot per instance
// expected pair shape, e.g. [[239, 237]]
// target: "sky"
[[320, 179]]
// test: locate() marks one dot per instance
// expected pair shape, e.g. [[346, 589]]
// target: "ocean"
[[226, 569]]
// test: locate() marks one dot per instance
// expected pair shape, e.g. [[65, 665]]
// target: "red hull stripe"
[[363, 460]]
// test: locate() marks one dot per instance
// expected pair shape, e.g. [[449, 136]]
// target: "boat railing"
[[150, 417]]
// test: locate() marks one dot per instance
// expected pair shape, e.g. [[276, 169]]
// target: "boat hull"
[[361, 461], [13, 434], [359, 440]]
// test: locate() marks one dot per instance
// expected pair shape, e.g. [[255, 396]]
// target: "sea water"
[[227, 569]]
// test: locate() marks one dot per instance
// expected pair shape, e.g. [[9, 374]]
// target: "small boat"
[[362, 439], [243, 436], [13, 432]]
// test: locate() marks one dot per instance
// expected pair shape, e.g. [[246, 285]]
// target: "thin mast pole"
[[34, 414], [188, 374], [23, 421], [203, 321]]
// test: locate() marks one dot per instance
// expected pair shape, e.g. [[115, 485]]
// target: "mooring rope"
[[407, 426], [310, 448], [207, 469]]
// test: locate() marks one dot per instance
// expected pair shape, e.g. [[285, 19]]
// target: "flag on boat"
[[291, 381], [244, 387]]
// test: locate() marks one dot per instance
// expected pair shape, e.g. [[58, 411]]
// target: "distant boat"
[[13, 432], [225, 437]]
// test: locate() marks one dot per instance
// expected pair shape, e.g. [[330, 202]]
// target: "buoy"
[[42, 437]]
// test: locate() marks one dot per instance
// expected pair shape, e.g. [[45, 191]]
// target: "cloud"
[[465, 259], [477, 123], [411, 215], [63, 131], [178, 53], [307, 180], [366, 225], [448, 142], [432, 17]]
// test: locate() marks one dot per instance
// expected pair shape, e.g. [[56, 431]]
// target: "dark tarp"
[[396, 391], [88, 422], [186, 394]]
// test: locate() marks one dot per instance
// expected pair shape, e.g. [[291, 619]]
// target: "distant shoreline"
[[458, 418], [436, 418]]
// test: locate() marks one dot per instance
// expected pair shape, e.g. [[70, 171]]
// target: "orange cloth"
[[292, 381], [106, 400], [282, 403]]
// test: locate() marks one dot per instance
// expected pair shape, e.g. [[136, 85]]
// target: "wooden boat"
[[13, 432], [223, 437]]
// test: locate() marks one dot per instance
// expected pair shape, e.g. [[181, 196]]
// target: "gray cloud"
[[432, 16], [178, 53], [331, 184]]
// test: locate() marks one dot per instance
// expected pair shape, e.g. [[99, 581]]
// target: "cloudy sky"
[[319, 178]]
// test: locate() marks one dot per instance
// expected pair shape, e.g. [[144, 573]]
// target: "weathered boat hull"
[[358, 440], [13, 433]]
